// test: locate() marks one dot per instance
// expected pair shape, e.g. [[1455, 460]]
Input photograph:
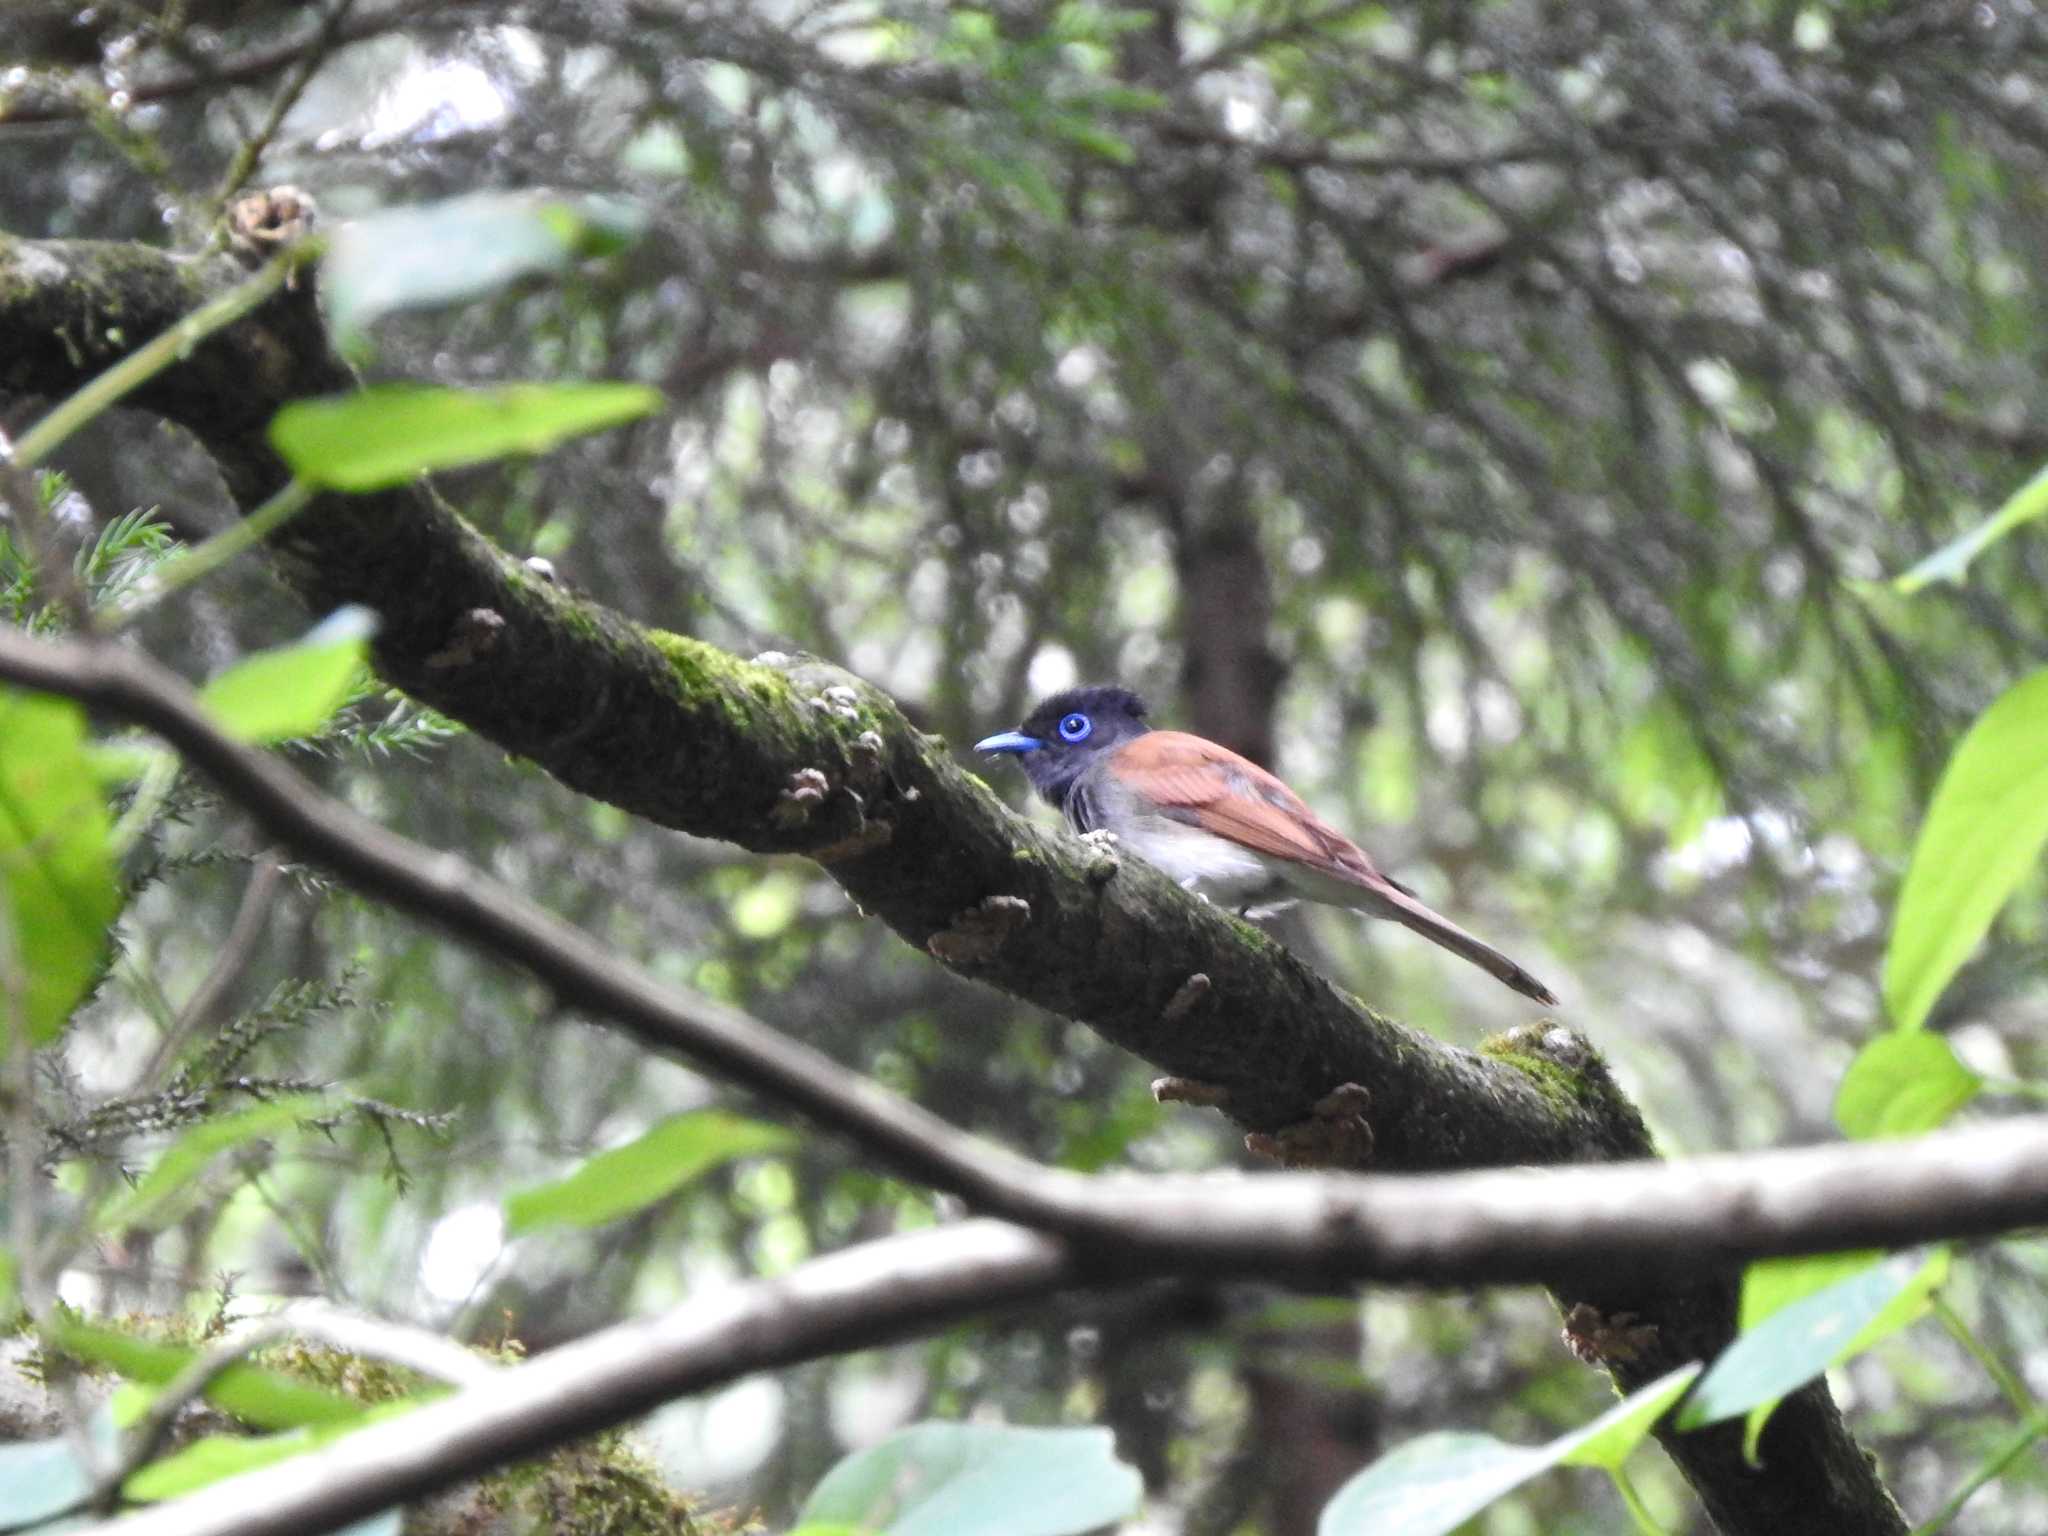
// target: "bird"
[[1216, 822]]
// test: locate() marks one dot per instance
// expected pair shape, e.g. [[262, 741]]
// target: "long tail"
[[1395, 903]]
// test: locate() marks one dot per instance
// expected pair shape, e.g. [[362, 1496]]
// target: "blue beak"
[[1008, 741]]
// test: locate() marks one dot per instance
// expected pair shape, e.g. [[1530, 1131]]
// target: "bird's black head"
[[1062, 735]]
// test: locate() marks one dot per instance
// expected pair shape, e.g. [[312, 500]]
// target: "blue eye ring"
[[1075, 727]]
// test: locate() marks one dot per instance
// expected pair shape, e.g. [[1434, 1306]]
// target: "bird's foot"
[[1599, 1339], [1336, 1134], [1103, 866], [1259, 911]]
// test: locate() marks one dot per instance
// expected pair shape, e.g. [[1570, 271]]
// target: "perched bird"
[[1216, 822]]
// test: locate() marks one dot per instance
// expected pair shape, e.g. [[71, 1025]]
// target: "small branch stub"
[[1189, 1090], [1336, 1134], [1186, 1000], [807, 790], [1598, 1339], [979, 932], [476, 635]]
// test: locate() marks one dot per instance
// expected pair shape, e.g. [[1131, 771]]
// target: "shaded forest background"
[[1496, 418]]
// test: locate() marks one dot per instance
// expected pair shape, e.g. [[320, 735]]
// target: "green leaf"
[[1983, 833], [266, 1399], [169, 1189], [114, 764], [1434, 1484], [1949, 562], [390, 433], [1803, 1338], [9, 1274], [441, 253], [293, 690], [58, 898], [941, 1479], [1901, 1084], [213, 1457], [1770, 1285], [649, 1168]]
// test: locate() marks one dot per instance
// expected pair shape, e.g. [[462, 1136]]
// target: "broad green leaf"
[[1612, 1438], [1901, 1084], [115, 764], [390, 433], [1803, 1338], [8, 1273], [1770, 1285], [1434, 1484], [58, 897], [168, 1189], [1949, 562], [649, 1168], [213, 1457], [1983, 833], [266, 1399], [293, 690], [942, 1479], [441, 253]]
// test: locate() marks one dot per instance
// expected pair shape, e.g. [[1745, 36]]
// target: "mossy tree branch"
[[782, 755]]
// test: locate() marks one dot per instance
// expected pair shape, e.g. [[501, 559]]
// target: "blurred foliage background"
[[1498, 418]]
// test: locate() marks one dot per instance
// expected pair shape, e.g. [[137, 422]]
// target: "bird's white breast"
[[1220, 869]]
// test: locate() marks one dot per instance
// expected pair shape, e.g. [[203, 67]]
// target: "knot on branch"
[[1598, 1339], [1336, 1134], [477, 634], [806, 791], [978, 933]]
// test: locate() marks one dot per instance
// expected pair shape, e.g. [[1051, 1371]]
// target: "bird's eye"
[[1075, 728]]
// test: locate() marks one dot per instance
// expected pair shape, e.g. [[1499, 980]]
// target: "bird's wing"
[[1211, 787]]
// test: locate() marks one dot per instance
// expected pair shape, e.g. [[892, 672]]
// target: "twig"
[[876, 1291], [252, 918], [2010, 1451], [250, 152], [210, 554], [351, 1333]]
